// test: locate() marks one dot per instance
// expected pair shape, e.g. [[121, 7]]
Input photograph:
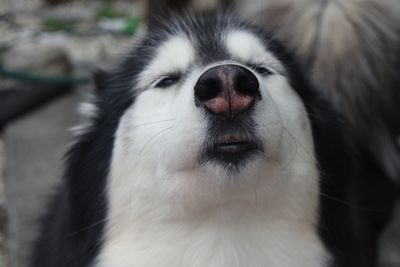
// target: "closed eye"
[[167, 81], [260, 69]]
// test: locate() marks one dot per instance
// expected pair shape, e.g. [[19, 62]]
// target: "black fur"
[[72, 231]]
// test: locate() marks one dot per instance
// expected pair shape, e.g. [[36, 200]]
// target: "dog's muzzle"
[[227, 94]]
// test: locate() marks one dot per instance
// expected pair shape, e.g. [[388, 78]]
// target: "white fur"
[[246, 47], [175, 55], [167, 210]]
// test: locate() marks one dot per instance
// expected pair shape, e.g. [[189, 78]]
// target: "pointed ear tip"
[[99, 77], [99, 74]]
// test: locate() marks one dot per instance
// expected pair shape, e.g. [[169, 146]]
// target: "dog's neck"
[[270, 224]]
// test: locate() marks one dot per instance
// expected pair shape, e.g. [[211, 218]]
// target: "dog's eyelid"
[[260, 69], [167, 80]]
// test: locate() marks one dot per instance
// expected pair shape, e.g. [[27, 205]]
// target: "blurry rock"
[[38, 59], [57, 2], [28, 21], [116, 25], [19, 5], [74, 11]]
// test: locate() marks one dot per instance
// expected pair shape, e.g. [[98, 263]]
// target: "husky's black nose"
[[227, 90]]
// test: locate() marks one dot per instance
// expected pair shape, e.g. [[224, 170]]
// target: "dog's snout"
[[227, 90]]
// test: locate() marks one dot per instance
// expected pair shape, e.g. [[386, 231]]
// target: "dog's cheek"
[[185, 138]]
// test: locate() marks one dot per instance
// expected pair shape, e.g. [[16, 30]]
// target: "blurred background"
[[48, 51]]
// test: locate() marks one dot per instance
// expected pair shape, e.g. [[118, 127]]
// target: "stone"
[[37, 58]]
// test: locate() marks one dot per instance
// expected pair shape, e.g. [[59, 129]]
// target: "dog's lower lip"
[[234, 147]]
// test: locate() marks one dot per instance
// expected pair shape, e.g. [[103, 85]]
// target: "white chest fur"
[[239, 238], [269, 224]]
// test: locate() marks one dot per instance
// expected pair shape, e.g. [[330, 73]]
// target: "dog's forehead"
[[177, 52], [249, 48]]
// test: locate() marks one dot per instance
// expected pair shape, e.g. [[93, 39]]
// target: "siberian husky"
[[209, 146]]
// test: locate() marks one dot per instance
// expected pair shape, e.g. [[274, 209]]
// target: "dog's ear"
[[100, 78]]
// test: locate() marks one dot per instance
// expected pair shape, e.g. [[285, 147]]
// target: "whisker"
[[152, 138], [153, 122]]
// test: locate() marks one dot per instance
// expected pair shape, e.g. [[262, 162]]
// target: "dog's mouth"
[[234, 145], [232, 149]]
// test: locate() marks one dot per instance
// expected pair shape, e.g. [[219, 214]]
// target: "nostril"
[[246, 83], [207, 88]]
